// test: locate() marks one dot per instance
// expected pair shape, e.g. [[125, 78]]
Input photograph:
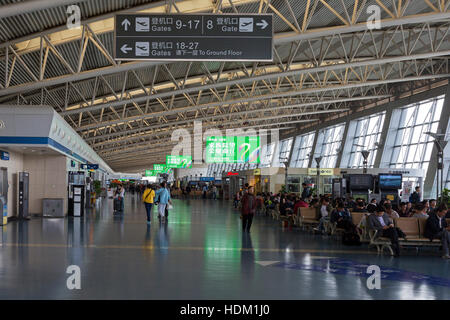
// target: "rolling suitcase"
[[117, 205]]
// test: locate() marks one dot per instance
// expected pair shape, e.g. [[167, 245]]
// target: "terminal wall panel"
[[48, 179], [14, 165]]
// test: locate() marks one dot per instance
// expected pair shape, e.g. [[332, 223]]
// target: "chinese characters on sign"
[[179, 161], [187, 37], [160, 168], [233, 149]]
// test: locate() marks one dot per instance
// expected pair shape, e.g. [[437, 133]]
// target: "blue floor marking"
[[349, 267]]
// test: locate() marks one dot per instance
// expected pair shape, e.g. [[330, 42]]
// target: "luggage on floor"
[[351, 239], [117, 204]]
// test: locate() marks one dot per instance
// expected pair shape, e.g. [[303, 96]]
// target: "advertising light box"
[[150, 173], [237, 149], [161, 168], [179, 162]]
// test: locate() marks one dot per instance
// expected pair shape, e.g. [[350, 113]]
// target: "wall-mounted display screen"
[[237, 149], [361, 181], [179, 161], [389, 181]]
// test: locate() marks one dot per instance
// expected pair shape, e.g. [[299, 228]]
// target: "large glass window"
[[302, 150], [282, 153], [366, 136], [329, 145], [412, 147], [267, 152]]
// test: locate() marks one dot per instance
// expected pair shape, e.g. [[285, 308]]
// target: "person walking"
[[205, 190], [118, 197], [214, 192], [166, 211], [147, 197], [163, 198], [248, 209]]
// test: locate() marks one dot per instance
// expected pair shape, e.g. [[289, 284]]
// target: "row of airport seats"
[[194, 194], [414, 228]]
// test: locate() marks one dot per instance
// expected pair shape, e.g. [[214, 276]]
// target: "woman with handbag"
[[147, 197]]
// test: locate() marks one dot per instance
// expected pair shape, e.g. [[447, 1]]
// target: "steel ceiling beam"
[[275, 107], [281, 38], [20, 8], [233, 122], [368, 62], [270, 96]]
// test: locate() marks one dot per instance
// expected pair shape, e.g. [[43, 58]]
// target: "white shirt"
[[323, 211], [381, 221], [440, 222]]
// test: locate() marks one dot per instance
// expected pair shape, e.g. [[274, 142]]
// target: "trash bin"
[[53, 208]]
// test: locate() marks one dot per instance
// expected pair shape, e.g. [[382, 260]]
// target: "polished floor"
[[200, 254]]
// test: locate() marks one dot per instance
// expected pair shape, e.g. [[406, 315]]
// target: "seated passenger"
[[341, 216], [403, 211], [437, 228], [426, 204], [289, 206], [323, 213], [410, 208], [433, 205], [421, 212], [360, 207], [381, 222], [372, 206], [391, 212], [314, 203], [300, 204], [351, 203]]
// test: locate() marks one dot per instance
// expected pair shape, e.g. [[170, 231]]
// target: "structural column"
[[383, 137]]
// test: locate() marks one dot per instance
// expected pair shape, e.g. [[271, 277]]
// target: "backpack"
[[351, 239]]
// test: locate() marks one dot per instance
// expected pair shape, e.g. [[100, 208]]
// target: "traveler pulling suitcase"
[[118, 204]]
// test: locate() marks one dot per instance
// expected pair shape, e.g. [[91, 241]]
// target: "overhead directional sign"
[[191, 37], [89, 166]]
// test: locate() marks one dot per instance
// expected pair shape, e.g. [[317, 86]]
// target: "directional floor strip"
[[112, 246], [359, 269]]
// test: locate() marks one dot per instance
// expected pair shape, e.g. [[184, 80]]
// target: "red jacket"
[[300, 204], [248, 204]]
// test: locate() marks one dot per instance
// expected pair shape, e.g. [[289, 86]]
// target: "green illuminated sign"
[[179, 161], [150, 173], [239, 149], [161, 168]]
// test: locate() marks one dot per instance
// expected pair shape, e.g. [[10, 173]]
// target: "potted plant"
[[97, 189], [445, 198]]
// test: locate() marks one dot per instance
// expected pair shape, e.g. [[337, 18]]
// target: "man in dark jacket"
[[306, 191], [342, 218], [437, 228], [248, 209], [381, 222], [415, 196]]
